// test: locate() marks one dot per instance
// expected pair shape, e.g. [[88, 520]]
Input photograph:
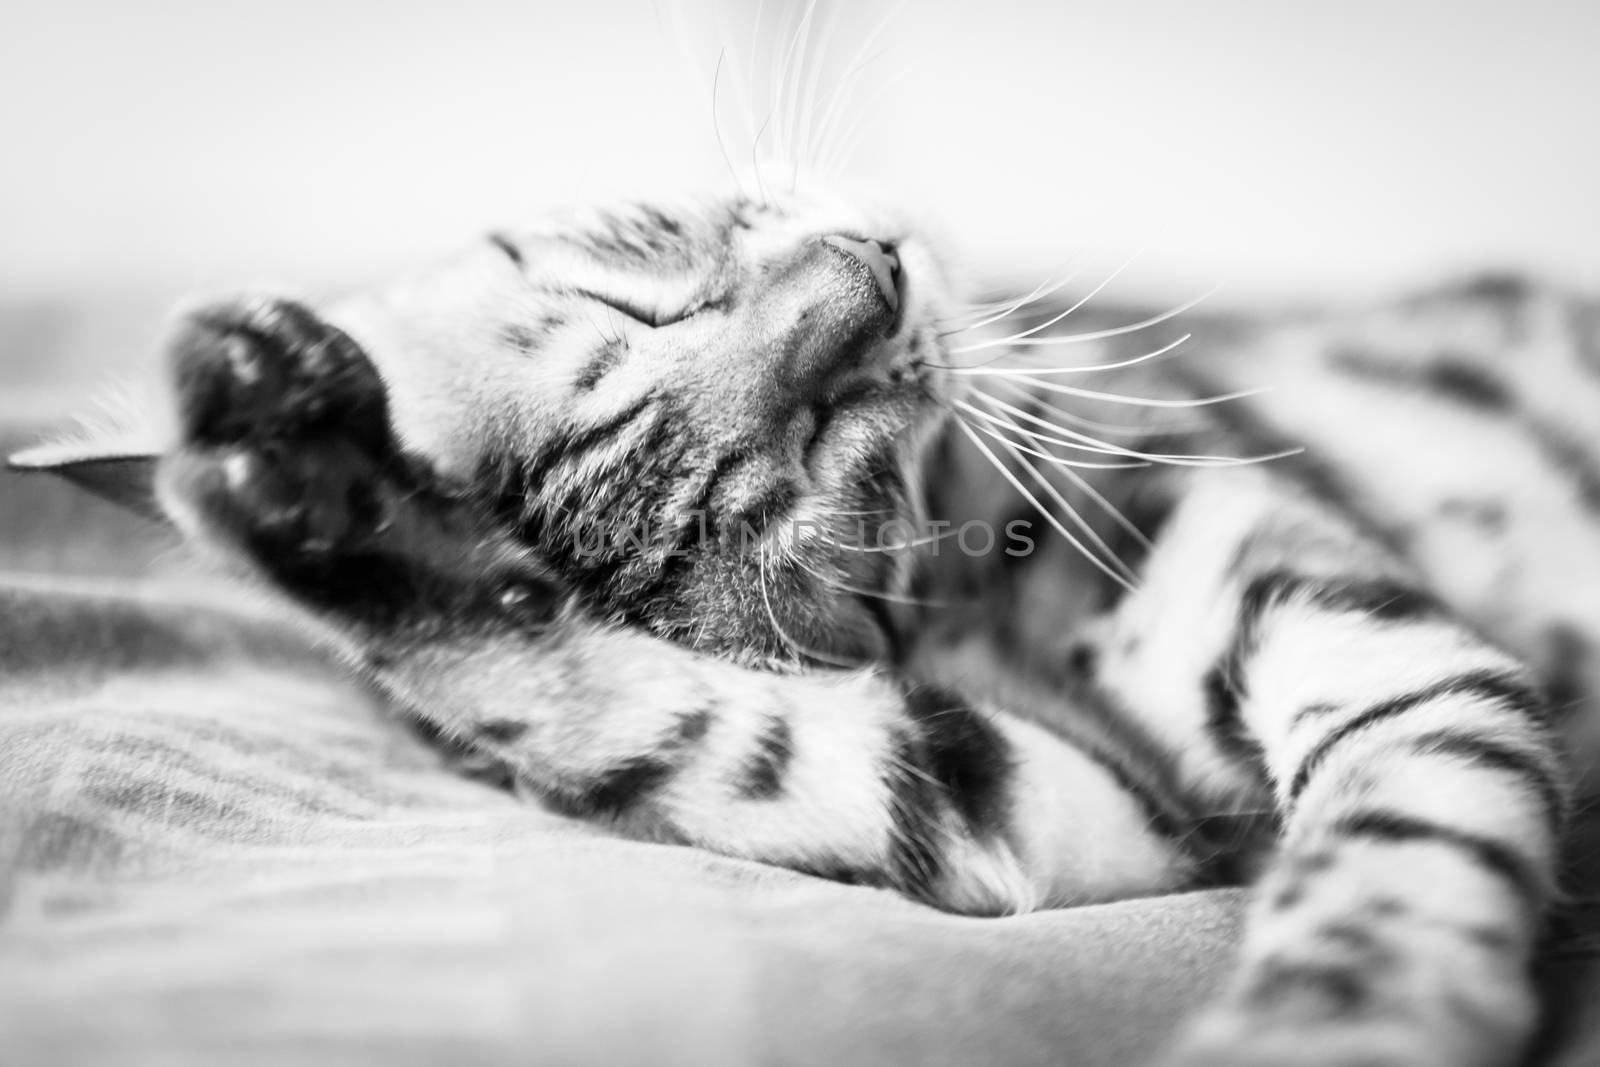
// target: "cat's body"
[[1358, 639]]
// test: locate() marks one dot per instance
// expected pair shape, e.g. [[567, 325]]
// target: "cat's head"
[[707, 419]]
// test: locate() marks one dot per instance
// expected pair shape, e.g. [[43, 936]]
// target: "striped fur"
[[1353, 649]]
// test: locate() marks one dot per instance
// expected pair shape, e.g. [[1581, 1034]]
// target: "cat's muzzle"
[[878, 258]]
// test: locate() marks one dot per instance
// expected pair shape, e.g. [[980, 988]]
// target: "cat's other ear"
[[121, 471]]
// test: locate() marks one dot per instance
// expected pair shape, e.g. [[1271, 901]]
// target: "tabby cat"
[[729, 525]]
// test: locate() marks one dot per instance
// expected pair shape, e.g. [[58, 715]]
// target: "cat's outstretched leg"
[[288, 463], [1419, 783]]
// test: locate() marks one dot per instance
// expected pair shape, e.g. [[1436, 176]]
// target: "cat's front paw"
[[287, 461], [261, 369], [286, 448]]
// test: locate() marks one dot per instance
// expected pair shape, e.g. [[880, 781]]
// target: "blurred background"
[[1296, 152]]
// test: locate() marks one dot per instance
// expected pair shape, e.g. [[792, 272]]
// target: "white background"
[[1293, 150]]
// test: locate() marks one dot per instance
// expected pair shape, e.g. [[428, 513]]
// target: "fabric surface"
[[215, 848]]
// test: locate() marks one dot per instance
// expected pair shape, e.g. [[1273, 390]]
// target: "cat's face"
[[707, 419]]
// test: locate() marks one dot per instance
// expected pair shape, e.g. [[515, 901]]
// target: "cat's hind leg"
[[1420, 786]]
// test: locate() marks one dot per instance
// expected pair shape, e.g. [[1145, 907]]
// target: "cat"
[[731, 525]]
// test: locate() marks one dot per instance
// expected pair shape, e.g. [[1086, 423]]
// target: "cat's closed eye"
[[640, 313], [654, 317], [646, 314]]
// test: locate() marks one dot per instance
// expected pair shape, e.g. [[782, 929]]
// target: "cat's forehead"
[[668, 235], [633, 232]]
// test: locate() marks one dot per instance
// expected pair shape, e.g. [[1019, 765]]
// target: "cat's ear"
[[120, 470]]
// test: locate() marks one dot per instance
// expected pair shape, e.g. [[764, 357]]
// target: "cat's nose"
[[830, 308], [877, 258]]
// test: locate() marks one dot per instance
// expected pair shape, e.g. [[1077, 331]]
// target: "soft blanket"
[[215, 848]]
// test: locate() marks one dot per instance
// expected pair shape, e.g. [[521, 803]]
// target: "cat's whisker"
[[840, 511], [1141, 401], [848, 138], [898, 546], [673, 25], [992, 303], [794, 646], [1198, 460], [1082, 444], [976, 308], [748, 100], [1009, 307], [1090, 295], [794, 71], [1078, 520], [1171, 460], [845, 587], [1142, 429], [832, 115], [971, 309], [1022, 341], [1250, 461], [846, 144], [776, 73], [1057, 460], [793, 65], [755, 158], [1008, 344], [1016, 483], [1016, 372], [1061, 419], [716, 123], [1109, 508], [806, 154]]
